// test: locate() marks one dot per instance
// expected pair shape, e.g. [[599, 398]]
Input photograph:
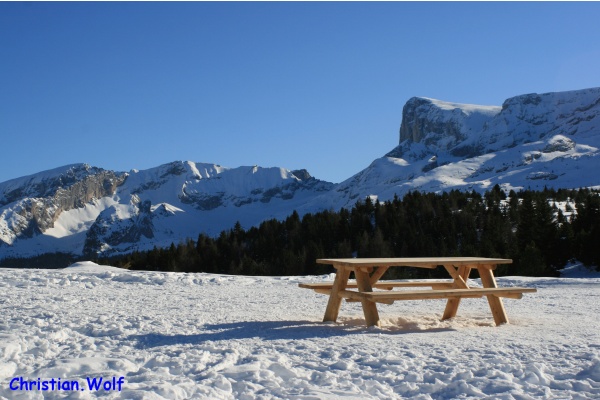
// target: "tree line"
[[527, 227]]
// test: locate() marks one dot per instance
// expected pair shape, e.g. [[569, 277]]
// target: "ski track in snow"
[[182, 336]]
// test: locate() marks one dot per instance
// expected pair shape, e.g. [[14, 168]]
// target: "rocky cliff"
[[531, 141], [465, 130], [31, 205], [87, 210]]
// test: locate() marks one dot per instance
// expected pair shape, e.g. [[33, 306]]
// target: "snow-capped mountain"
[[531, 141], [87, 210]]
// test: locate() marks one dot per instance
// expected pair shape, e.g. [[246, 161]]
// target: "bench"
[[441, 290], [325, 288], [387, 297]]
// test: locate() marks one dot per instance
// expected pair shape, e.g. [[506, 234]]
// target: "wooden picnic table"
[[368, 271]]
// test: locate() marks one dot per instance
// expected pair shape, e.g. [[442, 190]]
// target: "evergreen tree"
[[587, 225], [525, 227]]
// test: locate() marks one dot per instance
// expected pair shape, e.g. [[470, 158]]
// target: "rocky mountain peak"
[[301, 174], [465, 130], [439, 125]]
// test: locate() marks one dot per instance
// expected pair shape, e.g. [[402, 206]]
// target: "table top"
[[426, 262]]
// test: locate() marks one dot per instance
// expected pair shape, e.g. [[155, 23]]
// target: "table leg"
[[335, 301], [495, 302], [460, 278], [363, 281]]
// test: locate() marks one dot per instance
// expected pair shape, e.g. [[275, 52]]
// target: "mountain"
[[87, 210], [530, 142]]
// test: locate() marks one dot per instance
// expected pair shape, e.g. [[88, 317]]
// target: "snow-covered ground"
[[182, 336]]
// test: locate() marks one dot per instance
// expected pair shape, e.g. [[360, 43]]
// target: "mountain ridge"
[[531, 141], [125, 211]]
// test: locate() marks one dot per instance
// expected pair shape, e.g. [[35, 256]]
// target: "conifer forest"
[[540, 231]]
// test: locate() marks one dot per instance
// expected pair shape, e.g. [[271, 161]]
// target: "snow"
[[466, 108], [577, 270], [532, 142], [555, 162], [40, 177], [79, 220], [180, 336], [248, 194]]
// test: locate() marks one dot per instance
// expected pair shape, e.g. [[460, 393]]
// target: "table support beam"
[[335, 301], [496, 305], [460, 275], [363, 281], [378, 274]]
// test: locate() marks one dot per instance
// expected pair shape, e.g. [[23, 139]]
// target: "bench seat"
[[326, 287], [391, 296]]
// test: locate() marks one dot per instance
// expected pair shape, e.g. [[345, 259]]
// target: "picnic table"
[[368, 271]]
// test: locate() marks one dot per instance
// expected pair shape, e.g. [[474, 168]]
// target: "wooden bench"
[[369, 290], [325, 287], [386, 297], [441, 290]]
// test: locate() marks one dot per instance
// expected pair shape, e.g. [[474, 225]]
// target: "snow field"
[[182, 336]]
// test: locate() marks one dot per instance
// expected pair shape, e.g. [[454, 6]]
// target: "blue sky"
[[310, 85]]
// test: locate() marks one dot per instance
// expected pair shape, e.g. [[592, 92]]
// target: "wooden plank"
[[496, 305], [510, 292], [440, 286], [380, 284], [363, 281], [465, 271], [352, 296], [376, 276], [500, 291], [335, 302], [420, 262], [433, 284], [459, 280], [390, 297], [445, 294]]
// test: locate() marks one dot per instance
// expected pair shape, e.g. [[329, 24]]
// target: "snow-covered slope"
[[58, 204], [531, 141], [138, 210], [186, 336]]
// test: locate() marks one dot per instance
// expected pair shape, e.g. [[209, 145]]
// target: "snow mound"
[[89, 266], [578, 270]]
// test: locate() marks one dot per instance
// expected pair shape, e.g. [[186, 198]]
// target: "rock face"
[[71, 186], [559, 143], [37, 201], [466, 130], [441, 126], [531, 141], [110, 231], [90, 211], [179, 200]]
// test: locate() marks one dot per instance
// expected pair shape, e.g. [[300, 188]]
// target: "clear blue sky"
[[310, 85]]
